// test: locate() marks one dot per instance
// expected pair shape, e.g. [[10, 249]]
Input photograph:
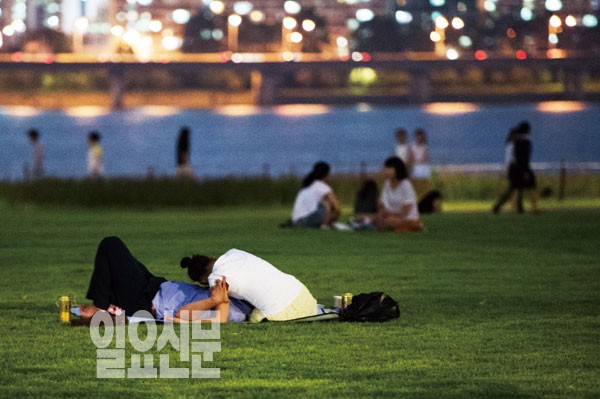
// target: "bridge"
[[267, 71]]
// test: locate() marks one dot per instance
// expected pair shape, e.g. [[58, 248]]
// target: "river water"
[[249, 141]]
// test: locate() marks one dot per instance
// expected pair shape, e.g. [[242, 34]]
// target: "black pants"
[[120, 279]]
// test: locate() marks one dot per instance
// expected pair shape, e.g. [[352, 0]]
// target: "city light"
[[217, 7], [526, 14], [403, 17], [570, 21], [19, 26], [117, 30], [292, 7], [296, 37], [242, 7], [553, 5], [441, 22], [148, 27], [181, 16], [234, 20], [457, 23], [589, 21], [435, 37], [8, 30], [257, 16], [308, 25], [452, 54], [489, 6], [289, 23], [364, 15], [481, 55], [555, 21], [155, 26], [341, 41]]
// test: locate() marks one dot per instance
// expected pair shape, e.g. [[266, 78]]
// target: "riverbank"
[[70, 99], [199, 99]]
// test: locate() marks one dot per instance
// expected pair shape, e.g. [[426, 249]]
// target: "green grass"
[[493, 306]]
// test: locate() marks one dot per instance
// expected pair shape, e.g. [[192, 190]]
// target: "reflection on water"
[[237, 110], [451, 108], [302, 109], [243, 140], [561, 106], [157, 111], [87, 111], [21, 111]]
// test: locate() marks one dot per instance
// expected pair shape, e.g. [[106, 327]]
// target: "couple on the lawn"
[[241, 287]]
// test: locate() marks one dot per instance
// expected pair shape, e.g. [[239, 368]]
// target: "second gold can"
[[346, 299]]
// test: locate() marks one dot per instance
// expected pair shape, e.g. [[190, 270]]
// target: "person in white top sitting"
[[275, 295], [316, 205], [397, 209]]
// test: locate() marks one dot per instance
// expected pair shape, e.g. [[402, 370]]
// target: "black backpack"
[[374, 306]]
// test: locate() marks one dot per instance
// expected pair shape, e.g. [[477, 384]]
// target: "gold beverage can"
[[346, 299], [64, 309]]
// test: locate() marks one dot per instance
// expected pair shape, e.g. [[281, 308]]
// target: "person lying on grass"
[[275, 295], [121, 283]]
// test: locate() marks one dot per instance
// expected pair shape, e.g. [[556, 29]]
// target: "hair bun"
[[185, 262]]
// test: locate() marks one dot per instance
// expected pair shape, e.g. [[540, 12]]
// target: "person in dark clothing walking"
[[520, 174], [524, 178]]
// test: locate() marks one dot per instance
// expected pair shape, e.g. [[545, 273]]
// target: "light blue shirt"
[[173, 295]]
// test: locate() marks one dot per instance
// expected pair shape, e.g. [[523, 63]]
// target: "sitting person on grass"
[[397, 209], [316, 205], [275, 295], [120, 283]]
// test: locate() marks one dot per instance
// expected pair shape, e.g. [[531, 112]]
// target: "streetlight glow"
[[308, 25], [441, 22], [570, 21], [289, 23], [457, 23], [217, 7], [296, 37], [234, 20]]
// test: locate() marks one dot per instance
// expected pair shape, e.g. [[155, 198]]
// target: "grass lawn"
[[493, 306]]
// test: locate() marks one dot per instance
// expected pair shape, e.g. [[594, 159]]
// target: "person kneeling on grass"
[[121, 283], [275, 295], [397, 209]]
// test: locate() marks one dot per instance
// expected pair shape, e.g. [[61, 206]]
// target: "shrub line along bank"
[[156, 192]]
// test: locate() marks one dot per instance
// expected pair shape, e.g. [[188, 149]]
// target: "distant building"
[[144, 26]]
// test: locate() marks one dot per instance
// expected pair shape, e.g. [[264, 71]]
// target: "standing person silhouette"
[[525, 178], [95, 161], [509, 160], [184, 167], [37, 169], [402, 149], [420, 170], [520, 175]]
